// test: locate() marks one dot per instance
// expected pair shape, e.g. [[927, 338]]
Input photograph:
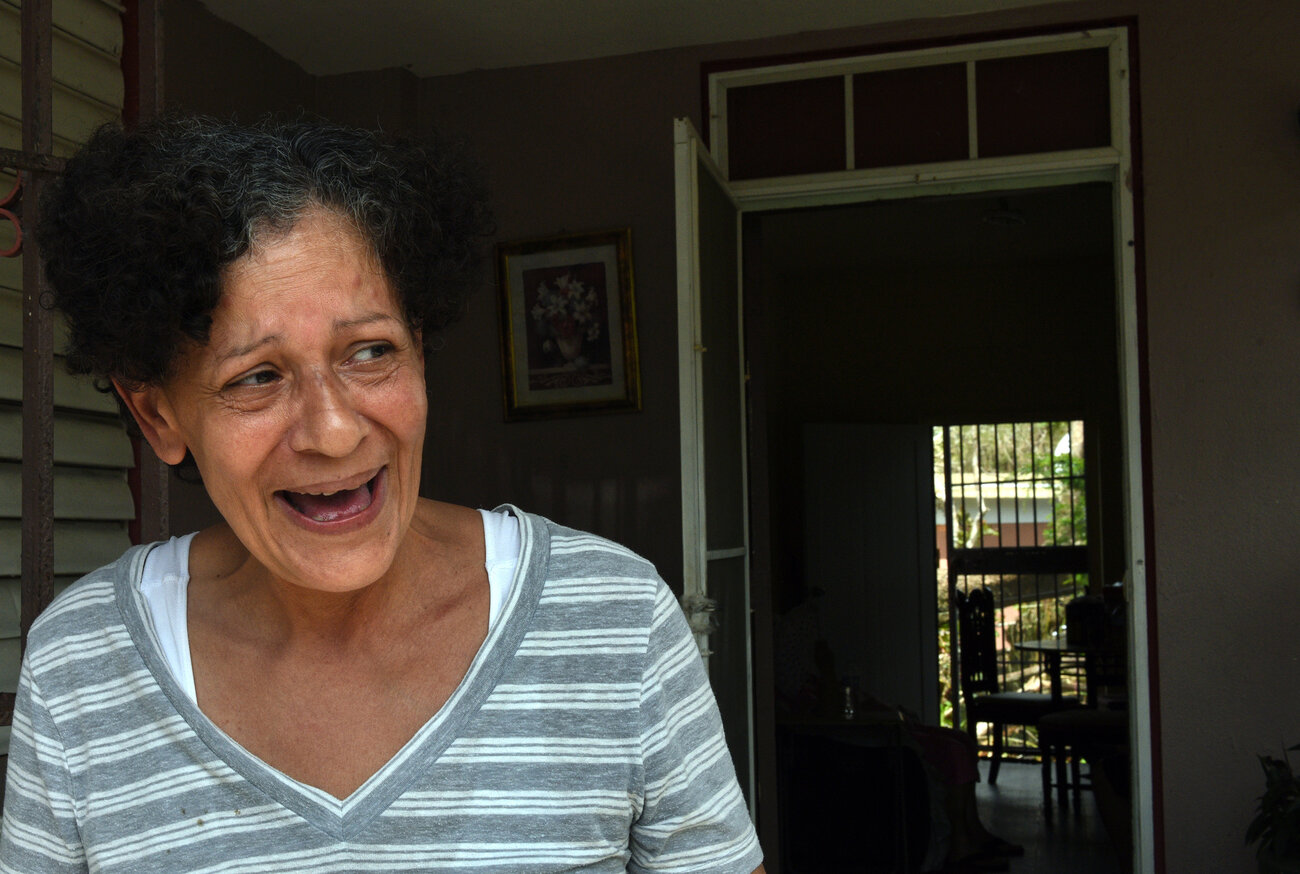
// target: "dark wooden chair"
[[981, 695], [1092, 732]]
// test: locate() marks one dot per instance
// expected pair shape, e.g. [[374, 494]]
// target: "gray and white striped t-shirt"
[[584, 737]]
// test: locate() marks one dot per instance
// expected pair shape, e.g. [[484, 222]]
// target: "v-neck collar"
[[346, 817]]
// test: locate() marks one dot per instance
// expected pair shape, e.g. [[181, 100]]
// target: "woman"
[[342, 676]]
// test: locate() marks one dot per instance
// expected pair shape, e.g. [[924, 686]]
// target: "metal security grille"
[[64, 457], [34, 164], [1015, 515]]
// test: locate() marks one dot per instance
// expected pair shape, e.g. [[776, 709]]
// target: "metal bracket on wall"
[[700, 613]]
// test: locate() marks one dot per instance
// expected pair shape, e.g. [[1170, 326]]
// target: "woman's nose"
[[328, 421]]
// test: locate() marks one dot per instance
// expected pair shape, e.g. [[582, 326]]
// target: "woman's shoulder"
[[596, 576], [89, 605], [543, 540], [581, 550]]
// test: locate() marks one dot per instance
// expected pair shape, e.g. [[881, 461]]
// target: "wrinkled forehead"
[[322, 253], [271, 229]]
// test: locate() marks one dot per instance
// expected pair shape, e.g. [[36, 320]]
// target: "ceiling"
[[1062, 224], [436, 37]]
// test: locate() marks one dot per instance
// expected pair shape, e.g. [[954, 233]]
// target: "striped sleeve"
[[40, 834], [694, 817]]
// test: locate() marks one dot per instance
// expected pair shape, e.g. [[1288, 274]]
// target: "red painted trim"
[[133, 481], [131, 71]]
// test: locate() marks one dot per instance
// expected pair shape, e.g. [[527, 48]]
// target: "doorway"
[[987, 307], [1044, 112]]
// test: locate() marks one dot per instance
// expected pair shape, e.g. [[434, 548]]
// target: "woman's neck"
[[227, 582]]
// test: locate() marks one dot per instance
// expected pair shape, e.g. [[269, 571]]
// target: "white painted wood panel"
[[76, 393], [79, 547], [79, 493], [83, 441]]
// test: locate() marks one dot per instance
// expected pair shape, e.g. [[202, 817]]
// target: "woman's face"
[[306, 409]]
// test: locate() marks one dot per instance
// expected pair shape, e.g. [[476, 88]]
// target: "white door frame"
[[1110, 164], [690, 155]]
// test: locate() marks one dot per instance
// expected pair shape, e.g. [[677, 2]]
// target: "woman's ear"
[[157, 420]]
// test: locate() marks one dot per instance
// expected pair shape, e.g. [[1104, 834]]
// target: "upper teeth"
[[325, 494]]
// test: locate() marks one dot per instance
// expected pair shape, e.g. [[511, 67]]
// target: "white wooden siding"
[[92, 501]]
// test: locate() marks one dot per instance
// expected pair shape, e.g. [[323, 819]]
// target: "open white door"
[[715, 508]]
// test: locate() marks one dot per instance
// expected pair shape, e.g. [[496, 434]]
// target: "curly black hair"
[[137, 233]]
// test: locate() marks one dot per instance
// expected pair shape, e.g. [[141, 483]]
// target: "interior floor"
[[1070, 841]]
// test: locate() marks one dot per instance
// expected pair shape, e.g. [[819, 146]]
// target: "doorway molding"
[[1113, 164]]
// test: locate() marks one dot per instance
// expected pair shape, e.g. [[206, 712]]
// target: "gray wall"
[[213, 67], [1220, 87], [572, 147]]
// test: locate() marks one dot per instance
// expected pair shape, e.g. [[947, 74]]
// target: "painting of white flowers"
[[568, 325]]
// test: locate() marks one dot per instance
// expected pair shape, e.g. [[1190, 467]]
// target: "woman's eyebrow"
[[339, 325], [241, 351], [344, 324]]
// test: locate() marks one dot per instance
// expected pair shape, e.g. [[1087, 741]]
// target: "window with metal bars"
[[1014, 519]]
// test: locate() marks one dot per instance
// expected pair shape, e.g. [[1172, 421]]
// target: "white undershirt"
[[167, 576]]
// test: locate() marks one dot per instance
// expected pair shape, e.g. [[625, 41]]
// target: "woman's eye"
[[260, 377], [373, 352]]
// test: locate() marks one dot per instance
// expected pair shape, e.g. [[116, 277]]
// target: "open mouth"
[[332, 506]]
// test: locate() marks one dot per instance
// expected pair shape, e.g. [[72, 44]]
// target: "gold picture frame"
[[568, 325]]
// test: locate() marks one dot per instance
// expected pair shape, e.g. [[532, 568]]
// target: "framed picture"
[[568, 325]]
